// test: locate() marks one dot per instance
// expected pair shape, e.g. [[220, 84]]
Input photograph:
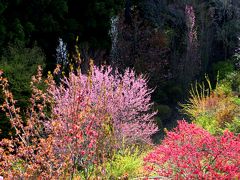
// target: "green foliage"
[[127, 162], [175, 92], [164, 113], [214, 110], [222, 68], [158, 121], [237, 100], [160, 96], [208, 122], [19, 63], [18, 165], [46, 21], [234, 126], [232, 81]]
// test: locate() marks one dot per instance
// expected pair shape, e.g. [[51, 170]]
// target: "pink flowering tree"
[[124, 99], [190, 152], [93, 114]]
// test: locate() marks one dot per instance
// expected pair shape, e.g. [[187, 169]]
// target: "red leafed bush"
[[190, 152]]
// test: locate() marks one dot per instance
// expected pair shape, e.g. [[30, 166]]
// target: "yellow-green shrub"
[[214, 110], [127, 163]]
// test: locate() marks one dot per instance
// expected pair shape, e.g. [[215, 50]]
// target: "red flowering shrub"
[[190, 152]]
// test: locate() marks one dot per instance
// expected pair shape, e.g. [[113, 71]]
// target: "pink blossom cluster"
[[124, 98], [190, 152]]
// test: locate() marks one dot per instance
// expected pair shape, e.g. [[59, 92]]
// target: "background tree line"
[[152, 36]]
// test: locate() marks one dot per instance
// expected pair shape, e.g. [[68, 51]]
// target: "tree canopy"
[[44, 21]]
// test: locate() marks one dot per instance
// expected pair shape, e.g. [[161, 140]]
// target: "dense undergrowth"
[[99, 126]]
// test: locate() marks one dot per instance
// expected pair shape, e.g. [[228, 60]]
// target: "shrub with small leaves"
[[190, 152]]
